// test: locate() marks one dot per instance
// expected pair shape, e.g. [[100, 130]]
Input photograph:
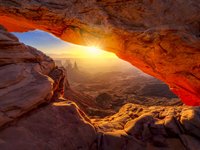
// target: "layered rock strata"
[[24, 75]]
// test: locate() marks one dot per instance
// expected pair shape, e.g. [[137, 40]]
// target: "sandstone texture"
[[58, 125], [62, 125], [159, 37], [24, 78], [156, 127]]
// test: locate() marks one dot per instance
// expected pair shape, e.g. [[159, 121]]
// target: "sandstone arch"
[[159, 37]]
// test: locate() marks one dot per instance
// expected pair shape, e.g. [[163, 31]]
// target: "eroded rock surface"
[[62, 125], [155, 127], [24, 78], [59, 125], [159, 37]]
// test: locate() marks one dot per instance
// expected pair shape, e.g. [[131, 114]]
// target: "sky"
[[91, 58], [55, 47]]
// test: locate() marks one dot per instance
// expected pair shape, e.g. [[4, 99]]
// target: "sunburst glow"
[[89, 52], [94, 51], [56, 48]]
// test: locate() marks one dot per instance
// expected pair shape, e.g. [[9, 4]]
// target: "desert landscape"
[[99, 75], [113, 85]]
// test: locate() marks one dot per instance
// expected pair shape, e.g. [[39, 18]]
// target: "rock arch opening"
[[98, 81]]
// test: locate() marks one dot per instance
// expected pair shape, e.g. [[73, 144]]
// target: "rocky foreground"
[[62, 125], [35, 116]]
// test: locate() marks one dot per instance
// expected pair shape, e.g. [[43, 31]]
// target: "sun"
[[94, 51], [78, 51]]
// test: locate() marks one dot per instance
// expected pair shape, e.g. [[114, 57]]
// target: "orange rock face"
[[159, 37]]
